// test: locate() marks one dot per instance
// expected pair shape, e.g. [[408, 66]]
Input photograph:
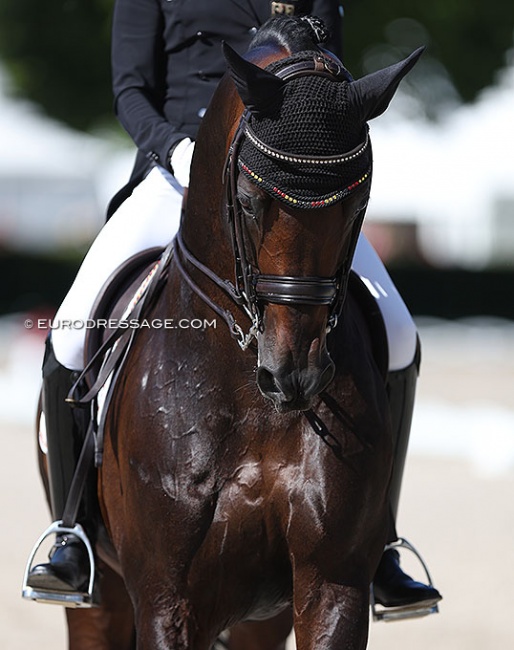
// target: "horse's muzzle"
[[292, 389]]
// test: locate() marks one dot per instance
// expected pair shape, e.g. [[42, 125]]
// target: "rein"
[[251, 288], [236, 330]]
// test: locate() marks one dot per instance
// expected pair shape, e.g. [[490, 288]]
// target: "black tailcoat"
[[167, 61]]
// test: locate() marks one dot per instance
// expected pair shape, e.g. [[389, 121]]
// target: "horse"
[[246, 464]]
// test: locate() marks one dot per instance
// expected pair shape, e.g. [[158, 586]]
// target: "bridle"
[[251, 289]]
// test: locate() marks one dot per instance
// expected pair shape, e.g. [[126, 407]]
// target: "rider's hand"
[[180, 161]]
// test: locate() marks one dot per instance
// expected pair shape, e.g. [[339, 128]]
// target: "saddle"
[[118, 313], [115, 302]]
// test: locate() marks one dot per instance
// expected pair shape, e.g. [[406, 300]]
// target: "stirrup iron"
[[65, 598], [388, 614]]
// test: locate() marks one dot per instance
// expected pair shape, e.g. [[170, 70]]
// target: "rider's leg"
[[68, 569], [392, 587], [401, 330], [148, 218]]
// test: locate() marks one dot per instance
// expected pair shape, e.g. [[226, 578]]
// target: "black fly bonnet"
[[307, 149]]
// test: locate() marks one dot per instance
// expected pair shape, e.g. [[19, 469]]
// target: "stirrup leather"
[[65, 598], [387, 614]]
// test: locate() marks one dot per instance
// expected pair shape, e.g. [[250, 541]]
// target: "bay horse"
[[245, 487]]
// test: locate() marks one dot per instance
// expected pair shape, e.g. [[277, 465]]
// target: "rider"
[[167, 61]]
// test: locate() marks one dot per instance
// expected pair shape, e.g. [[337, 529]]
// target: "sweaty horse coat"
[[223, 502]]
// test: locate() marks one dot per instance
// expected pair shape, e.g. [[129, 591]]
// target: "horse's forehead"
[[266, 54]]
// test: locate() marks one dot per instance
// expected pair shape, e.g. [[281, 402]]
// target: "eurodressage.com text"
[[114, 323]]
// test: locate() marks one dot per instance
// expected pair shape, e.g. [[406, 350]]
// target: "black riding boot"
[[68, 569], [391, 586]]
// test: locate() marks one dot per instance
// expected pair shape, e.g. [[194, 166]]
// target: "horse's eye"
[[244, 201], [248, 205]]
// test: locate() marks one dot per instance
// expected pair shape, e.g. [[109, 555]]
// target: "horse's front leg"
[[330, 616], [108, 627], [165, 621]]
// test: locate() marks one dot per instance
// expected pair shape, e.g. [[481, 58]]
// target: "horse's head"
[[301, 171]]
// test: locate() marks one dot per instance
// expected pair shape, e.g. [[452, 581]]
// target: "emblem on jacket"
[[282, 8]]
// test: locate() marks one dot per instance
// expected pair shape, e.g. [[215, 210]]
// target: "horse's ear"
[[259, 89], [372, 94]]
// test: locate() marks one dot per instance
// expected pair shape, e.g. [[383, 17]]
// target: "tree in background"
[[467, 43], [58, 52]]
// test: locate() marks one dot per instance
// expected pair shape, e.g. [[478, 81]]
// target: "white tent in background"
[[455, 179], [452, 180], [51, 192]]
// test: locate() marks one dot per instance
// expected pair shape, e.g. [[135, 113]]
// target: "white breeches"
[[151, 217], [400, 328]]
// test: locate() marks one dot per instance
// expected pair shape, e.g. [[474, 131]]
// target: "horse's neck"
[[204, 228]]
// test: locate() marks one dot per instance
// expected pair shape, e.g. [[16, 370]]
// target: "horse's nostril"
[[266, 381]]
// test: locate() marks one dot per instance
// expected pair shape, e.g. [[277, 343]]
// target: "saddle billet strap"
[[100, 427]]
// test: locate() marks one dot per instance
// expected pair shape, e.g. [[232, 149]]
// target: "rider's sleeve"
[[330, 11], [138, 73]]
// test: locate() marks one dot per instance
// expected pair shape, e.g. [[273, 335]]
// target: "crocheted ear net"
[[314, 119]]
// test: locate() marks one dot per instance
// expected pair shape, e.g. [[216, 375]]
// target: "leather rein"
[[251, 289]]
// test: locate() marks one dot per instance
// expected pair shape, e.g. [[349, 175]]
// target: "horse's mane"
[[291, 33]]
